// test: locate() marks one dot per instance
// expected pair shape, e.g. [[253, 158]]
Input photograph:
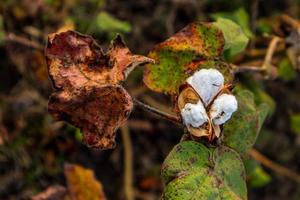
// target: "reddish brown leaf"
[[82, 184], [76, 60], [97, 111], [88, 94]]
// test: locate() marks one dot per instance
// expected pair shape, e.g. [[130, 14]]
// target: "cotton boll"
[[194, 114], [207, 83], [222, 108]]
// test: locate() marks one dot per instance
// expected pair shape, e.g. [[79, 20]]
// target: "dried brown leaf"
[[87, 82], [76, 60], [98, 112]]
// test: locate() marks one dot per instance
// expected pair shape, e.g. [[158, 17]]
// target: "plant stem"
[[128, 162], [24, 41], [148, 108], [292, 22], [242, 69], [266, 66], [256, 155]]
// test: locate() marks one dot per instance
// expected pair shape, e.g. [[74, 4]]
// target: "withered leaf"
[[76, 60], [87, 82], [82, 184], [97, 111]]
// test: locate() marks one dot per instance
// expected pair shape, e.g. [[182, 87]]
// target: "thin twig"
[[266, 67], [168, 116], [281, 170], [241, 69], [268, 58], [292, 22], [128, 163], [157, 104], [254, 53], [136, 92], [24, 41]]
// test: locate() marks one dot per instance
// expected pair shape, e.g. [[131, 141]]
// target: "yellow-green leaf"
[[182, 54]]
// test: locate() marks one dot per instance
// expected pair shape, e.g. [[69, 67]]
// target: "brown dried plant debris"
[[55, 192], [87, 86]]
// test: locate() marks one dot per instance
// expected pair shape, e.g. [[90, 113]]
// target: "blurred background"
[[34, 148]]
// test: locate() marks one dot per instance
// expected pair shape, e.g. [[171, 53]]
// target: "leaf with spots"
[[181, 55], [87, 83], [241, 131], [194, 171]]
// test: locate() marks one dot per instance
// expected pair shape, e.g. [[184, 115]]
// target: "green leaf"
[[239, 16], [295, 123], [193, 171], [259, 95], [182, 54], [235, 39], [256, 175], [264, 26], [78, 135], [259, 177], [108, 23], [240, 133], [286, 70]]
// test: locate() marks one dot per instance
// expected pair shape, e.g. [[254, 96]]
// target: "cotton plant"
[[88, 93], [206, 103]]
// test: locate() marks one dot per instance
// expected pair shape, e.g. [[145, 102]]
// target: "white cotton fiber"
[[222, 108], [194, 114], [207, 83]]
